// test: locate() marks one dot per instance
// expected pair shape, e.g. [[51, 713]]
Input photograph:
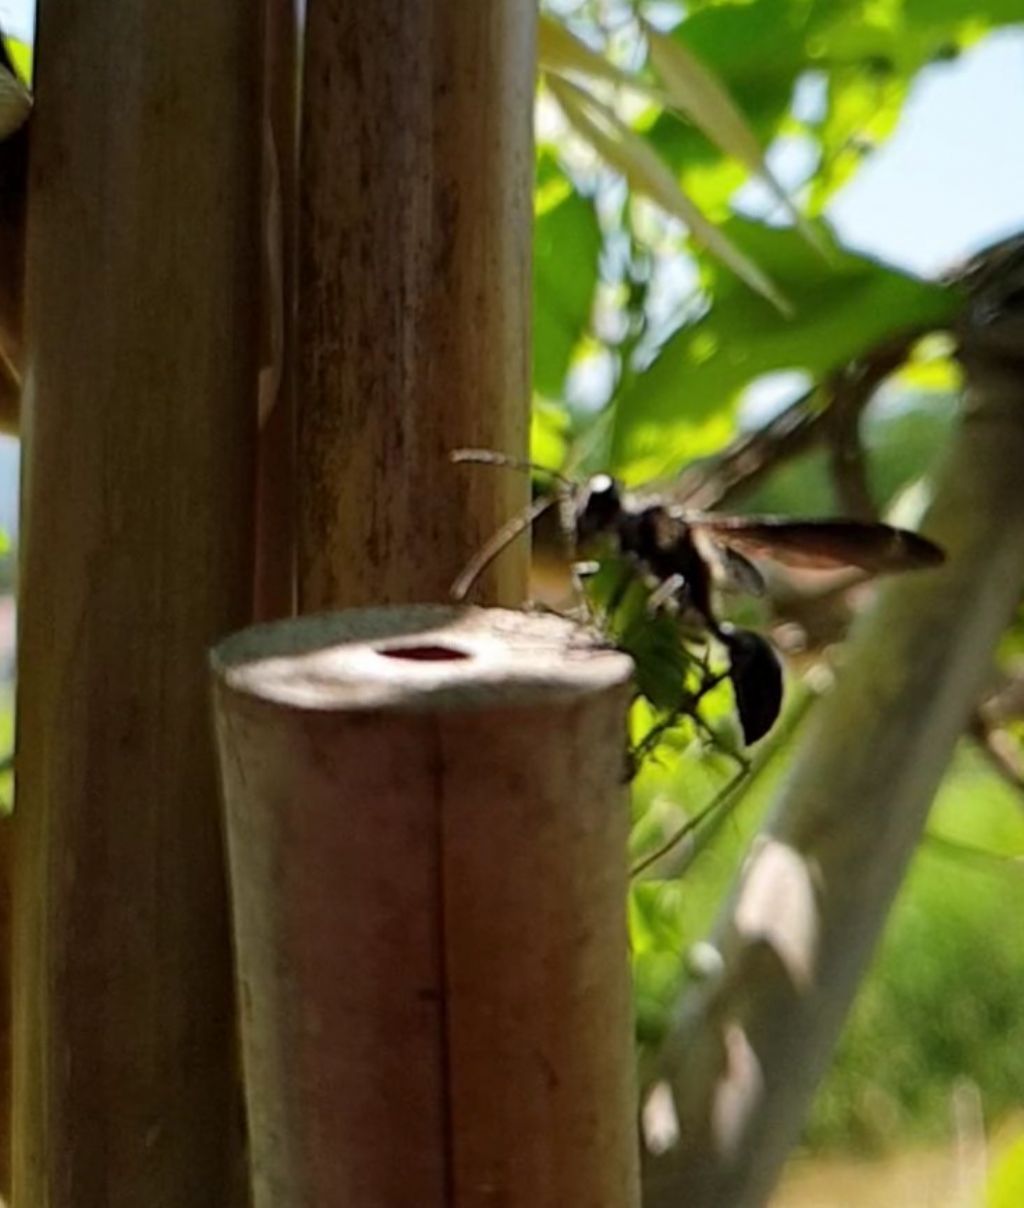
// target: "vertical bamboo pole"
[[414, 272], [275, 519], [427, 832], [137, 553]]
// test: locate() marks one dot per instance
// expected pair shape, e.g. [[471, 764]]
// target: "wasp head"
[[598, 507]]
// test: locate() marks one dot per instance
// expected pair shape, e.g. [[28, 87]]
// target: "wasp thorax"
[[598, 508]]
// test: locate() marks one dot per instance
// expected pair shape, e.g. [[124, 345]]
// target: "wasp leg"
[[581, 571], [665, 593]]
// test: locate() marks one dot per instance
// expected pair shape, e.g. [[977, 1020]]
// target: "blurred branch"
[[745, 1054], [1006, 703], [999, 749], [851, 389], [753, 456], [829, 411], [727, 796]]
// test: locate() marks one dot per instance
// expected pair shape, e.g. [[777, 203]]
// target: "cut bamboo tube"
[[142, 325], [427, 829], [414, 295]]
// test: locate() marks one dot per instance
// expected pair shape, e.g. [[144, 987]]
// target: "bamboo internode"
[[427, 828], [414, 278], [136, 554]]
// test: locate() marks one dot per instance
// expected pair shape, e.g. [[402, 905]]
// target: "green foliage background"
[[942, 1002]]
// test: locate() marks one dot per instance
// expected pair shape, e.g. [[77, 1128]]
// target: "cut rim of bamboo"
[[427, 829], [423, 657]]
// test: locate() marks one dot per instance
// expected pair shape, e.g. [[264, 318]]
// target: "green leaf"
[[21, 56], [696, 91], [683, 403], [862, 110], [1006, 1185], [567, 243], [757, 53], [867, 53], [15, 102], [549, 433], [560, 52], [631, 155], [930, 13]]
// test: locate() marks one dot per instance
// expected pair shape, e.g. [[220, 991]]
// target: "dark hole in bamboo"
[[434, 653]]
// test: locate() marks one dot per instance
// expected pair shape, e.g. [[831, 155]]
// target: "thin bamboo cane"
[[414, 287], [142, 296]]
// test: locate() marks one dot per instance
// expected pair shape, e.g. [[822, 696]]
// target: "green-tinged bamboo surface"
[[142, 296]]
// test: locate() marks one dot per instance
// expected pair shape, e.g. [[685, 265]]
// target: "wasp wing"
[[821, 544], [729, 567]]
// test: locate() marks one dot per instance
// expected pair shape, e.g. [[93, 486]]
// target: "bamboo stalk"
[[414, 279], [427, 832], [137, 553], [275, 521]]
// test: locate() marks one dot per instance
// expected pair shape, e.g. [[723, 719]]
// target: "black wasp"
[[681, 554]]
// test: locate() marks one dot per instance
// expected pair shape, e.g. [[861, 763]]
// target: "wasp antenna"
[[487, 457], [508, 532]]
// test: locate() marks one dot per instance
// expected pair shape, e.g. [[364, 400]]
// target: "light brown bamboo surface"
[[427, 827], [414, 294], [142, 323]]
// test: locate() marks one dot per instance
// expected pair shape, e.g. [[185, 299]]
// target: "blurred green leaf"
[[756, 51], [632, 156], [977, 12], [696, 91], [866, 54], [675, 410], [1006, 1183], [21, 56], [560, 51], [664, 664], [15, 101], [549, 433], [567, 244], [862, 109]]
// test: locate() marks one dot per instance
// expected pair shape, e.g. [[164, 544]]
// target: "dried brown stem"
[[1001, 750], [829, 412]]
